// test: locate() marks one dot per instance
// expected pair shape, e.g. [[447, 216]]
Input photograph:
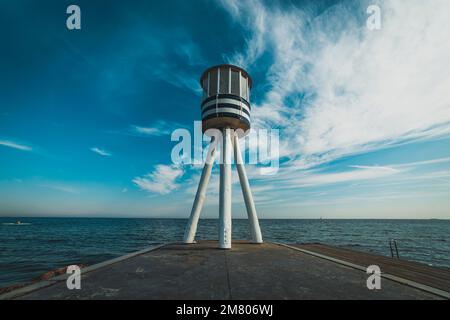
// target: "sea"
[[39, 245]]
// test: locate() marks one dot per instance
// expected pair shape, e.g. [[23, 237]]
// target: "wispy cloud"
[[159, 128], [425, 162], [336, 88], [178, 47], [149, 131], [357, 173], [60, 187], [177, 77], [101, 152], [313, 178], [162, 180], [15, 145], [191, 52], [352, 173], [353, 183]]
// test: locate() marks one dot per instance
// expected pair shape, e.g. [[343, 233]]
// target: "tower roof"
[[245, 73]]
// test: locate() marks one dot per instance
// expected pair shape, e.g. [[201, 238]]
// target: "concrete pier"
[[247, 271]]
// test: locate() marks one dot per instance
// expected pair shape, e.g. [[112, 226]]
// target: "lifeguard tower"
[[225, 106]]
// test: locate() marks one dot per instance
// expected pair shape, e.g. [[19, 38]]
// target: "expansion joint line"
[[228, 276]]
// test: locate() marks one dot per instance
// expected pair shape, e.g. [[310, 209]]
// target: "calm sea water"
[[29, 250]]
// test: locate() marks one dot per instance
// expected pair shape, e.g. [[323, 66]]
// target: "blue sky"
[[86, 115]]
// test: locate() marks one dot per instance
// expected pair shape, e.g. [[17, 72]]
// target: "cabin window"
[[205, 86], [244, 87], [213, 82], [235, 82], [224, 80]]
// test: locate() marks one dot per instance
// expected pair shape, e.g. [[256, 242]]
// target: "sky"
[[363, 115]]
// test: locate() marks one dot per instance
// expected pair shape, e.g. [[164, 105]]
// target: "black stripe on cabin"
[[227, 114], [226, 96], [226, 105]]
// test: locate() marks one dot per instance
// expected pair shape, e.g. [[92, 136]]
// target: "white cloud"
[[151, 131], [191, 52], [292, 178], [357, 174], [15, 145], [313, 178], [169, 71], [60, 187], [159, 128], [425, 162], [100, 152], [336, 88], [162, 180], [177, 77]]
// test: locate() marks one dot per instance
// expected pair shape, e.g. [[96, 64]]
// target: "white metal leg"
[[191, 228], [247, 193], [225, 192]]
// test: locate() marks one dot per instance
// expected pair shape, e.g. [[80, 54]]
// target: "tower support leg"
[[247, 193], [191, 228], [225, 192]]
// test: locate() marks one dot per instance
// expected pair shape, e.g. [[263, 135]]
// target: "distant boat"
[[17, 223]]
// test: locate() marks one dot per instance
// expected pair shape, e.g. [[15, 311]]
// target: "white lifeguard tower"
[[226, 107]]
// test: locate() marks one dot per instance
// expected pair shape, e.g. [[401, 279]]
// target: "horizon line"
[[173, 218]]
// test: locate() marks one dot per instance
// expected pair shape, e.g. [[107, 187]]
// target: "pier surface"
[[431, 276], [247, 271]]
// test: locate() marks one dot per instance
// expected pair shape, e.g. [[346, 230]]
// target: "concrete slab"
[[248, 271]]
